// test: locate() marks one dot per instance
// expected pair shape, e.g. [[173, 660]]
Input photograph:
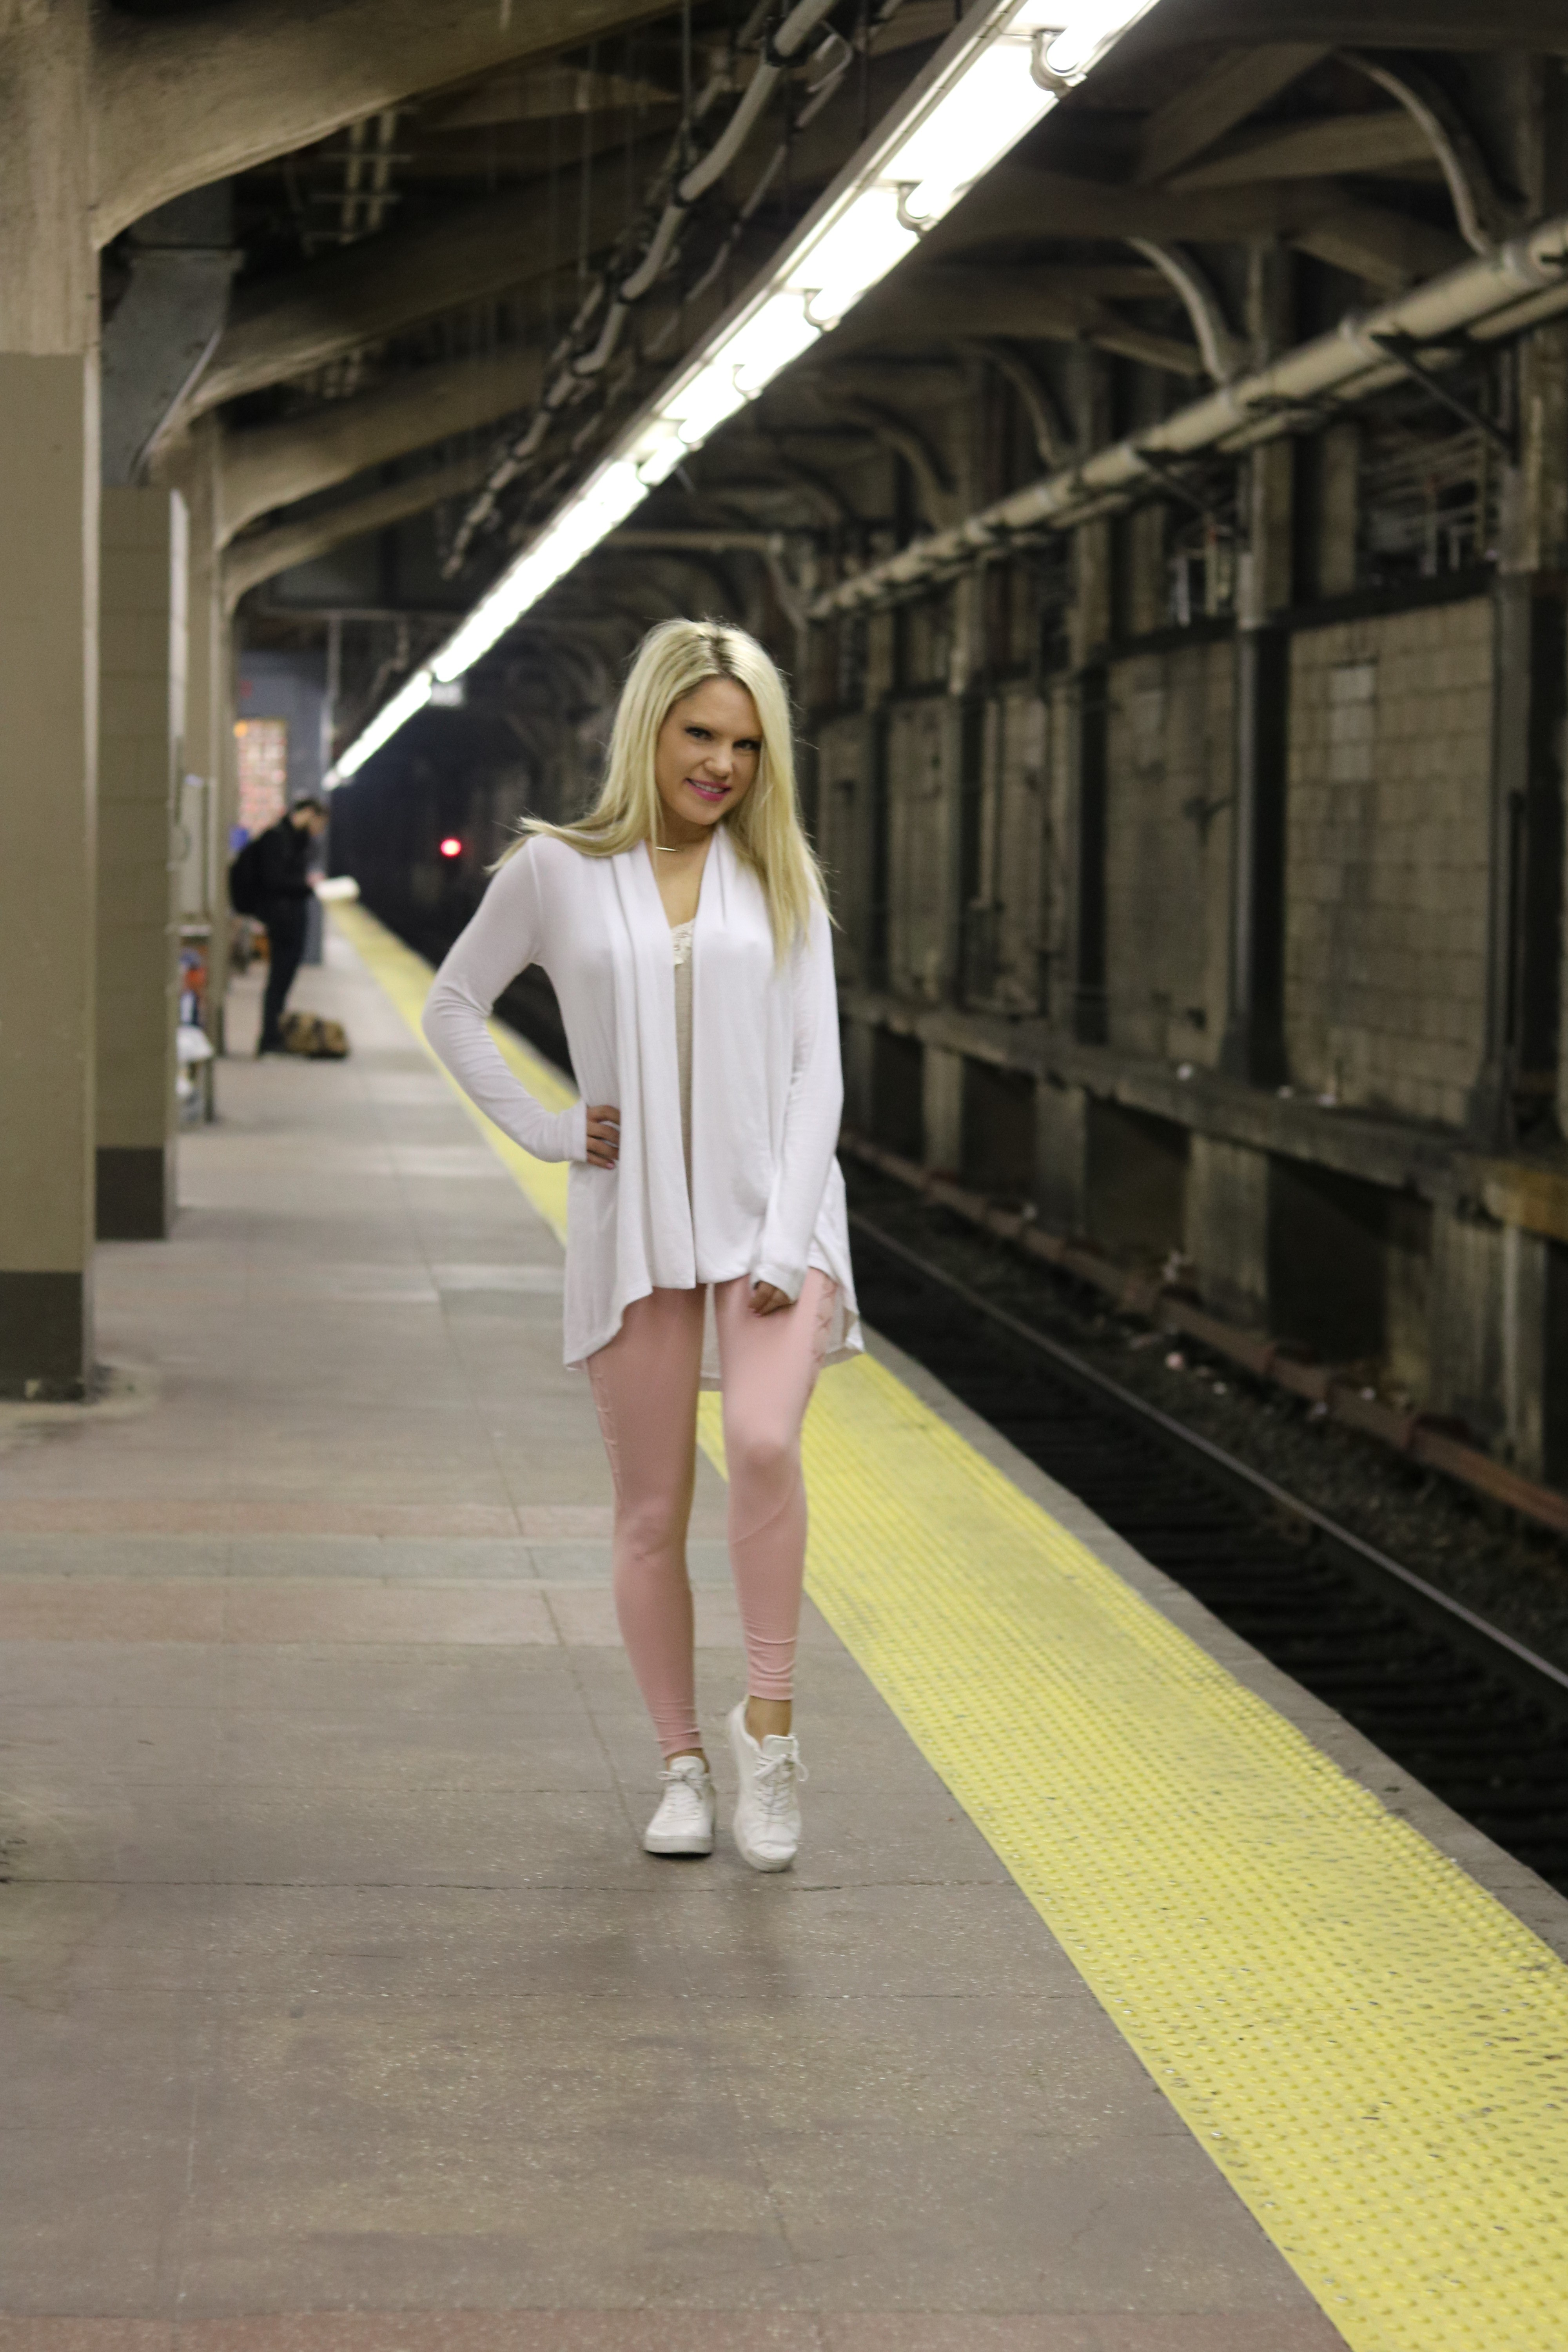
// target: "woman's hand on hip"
[[603, 1135], [767, 1299]]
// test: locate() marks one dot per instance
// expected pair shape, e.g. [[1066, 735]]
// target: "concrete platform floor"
[[339, 2005]]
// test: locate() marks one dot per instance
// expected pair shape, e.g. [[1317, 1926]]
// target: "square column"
[[1498, 1338], [860, 1053], [1519, 1091], [1061, 1157], [142, 718], [49, 663], [206, 811], [1253, 1047], [941, 1103], [1227, 1227]]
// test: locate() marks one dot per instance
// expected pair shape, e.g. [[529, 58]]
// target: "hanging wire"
[[863, 43], [585, 192], [634, 113], [574, 364], [552, 230]]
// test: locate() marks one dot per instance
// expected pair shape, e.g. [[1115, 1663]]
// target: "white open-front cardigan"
[[767, 1195]]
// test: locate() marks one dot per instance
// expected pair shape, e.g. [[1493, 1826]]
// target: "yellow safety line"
[[405, 977], [1373, 2049]]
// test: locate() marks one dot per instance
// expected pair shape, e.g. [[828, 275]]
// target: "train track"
[[1473, 1714]]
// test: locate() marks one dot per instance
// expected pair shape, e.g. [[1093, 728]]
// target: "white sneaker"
[[767, 1811], [684, 1821]]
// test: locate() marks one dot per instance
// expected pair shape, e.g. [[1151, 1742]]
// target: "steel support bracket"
[[1164, 471], [1402, 350]]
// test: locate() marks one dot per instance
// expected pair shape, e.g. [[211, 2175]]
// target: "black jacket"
[[282, 860]]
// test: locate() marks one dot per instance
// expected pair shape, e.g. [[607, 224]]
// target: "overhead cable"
[[574, 367]]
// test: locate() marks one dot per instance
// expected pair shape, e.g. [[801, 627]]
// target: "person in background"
[[282, 898]]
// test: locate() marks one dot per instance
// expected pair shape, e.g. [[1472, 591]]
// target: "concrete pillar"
[[165, 322], [1227, 1227], [1253, 1047], [49, 663], [142, 721], [1087, 1009], [882, 656], [208, 804], [1088, 624], [1535, 1353], [1148, 601], [1057, 896], [1521, 1080], [942, 1109], [1498, 1338], [1061, 1157], [1091, 621], [1338, 516], [859, 1047], [1092, 409]]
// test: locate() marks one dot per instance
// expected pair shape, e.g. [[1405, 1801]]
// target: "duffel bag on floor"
[[319, 1040]]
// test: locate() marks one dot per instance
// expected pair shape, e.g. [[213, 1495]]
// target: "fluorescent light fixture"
[[1001, 72], [412, 696], [1075, 39]]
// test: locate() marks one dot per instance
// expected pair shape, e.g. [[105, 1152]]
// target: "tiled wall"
[[1168, 851], [1386, 875]]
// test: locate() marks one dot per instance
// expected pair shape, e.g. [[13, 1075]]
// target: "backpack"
[[245, 879]]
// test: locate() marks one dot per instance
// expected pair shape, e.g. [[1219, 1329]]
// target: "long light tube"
[[412, 696], [1000, 73]]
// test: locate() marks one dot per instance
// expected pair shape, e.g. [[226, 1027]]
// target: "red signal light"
[[451, 846]]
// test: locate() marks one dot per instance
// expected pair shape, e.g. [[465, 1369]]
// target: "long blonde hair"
[[673, 660]]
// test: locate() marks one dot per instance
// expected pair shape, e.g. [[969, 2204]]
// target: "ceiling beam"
[[248, 562], [1016, 202], [539, 94], [920, 386], [1384, 249], [1314, 150], [934, 488], [1218, 100], [272, 466], [704, 542], [1463, 25], [363, 293], [917, 21], [1130, 281], [782, 476], [1484, 214], [1030, 306], [183, 100]]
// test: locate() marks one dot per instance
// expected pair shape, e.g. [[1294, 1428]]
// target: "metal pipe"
[[1346, 365]]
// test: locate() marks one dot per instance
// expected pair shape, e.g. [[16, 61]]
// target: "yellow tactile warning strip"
[[406, 978], [1373, 2049]]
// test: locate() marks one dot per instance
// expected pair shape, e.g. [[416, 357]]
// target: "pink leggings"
[[645, 1385]]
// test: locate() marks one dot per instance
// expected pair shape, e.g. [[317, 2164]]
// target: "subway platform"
[[1122, 1999]]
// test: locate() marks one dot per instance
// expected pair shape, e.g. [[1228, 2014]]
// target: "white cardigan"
[[767, 1195]]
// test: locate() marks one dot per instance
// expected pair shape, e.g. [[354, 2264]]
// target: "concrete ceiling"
[[420, 194]]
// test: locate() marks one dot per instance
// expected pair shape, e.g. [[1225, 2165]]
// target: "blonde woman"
[[682, 924]]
